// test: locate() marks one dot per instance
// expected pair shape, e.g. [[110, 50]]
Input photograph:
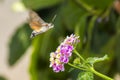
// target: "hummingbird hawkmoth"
[[37, 24]]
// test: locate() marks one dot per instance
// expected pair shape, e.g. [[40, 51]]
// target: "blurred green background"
[[97, 22]]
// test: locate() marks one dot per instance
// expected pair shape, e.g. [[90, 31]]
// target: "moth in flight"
[[37, 24]]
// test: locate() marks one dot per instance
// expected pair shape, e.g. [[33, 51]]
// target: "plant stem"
[[87, 7], [76, 66], [99, 74], [75, 51], [91, 68]]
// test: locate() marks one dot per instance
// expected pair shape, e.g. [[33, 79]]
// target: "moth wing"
[[35, 17], [35, 26], [35, 21]]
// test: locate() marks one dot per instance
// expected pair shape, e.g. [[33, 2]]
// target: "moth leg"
[[33, 34]]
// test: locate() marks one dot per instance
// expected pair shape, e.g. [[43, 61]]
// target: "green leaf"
[[71, 69], [94, 4], [85, 76], [40, 4], [80, 29], [117, 46], [76, 61], [34, 59], [93, 60], [19, 43], [38, 57], [89, 34], [43, 45], [118, 26], [2, 78], [71, 14]]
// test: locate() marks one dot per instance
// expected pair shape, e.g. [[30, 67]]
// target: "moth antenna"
[[53, 19]]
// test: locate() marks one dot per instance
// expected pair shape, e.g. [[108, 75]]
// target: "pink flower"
[[63, 52]]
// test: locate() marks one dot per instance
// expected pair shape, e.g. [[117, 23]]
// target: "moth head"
[[51, 25]]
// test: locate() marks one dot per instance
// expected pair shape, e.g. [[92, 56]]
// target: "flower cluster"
[[63, 52]]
